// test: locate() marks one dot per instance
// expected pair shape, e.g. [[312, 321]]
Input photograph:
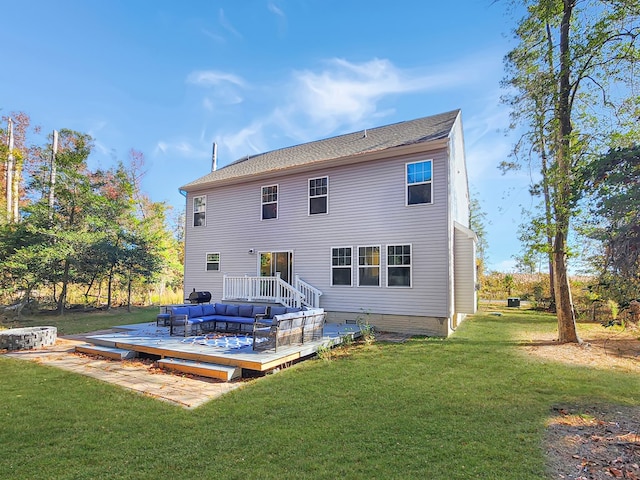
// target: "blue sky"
[[168, 78]]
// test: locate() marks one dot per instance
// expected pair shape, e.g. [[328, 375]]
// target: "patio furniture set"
[[270, 326]]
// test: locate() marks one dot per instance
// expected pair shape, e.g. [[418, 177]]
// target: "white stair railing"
[[311, 295], [261, 289]]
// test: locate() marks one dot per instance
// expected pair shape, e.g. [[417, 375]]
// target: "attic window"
[[419, 184], [199, 211]]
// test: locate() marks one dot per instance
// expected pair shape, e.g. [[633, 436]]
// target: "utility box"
[[513, 302]]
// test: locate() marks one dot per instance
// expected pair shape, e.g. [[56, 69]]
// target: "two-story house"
[[372, 226]]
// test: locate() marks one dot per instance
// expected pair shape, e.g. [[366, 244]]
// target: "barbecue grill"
[[199, 297]]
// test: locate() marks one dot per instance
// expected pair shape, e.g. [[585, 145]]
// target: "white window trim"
[[406, 183], [309, 197], [277, 202], [369, 266], [193, 218], [341, 266], [207, 262], [410, 266]]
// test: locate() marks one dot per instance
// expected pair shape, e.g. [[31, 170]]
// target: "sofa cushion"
[[180, 311], [259, 310], [231, 319], [232, 311], [195, 311], [208, 309], [246, 311], [292, 310], [221, 308], [278, 311]]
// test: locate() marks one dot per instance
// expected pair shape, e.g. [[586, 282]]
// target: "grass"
[[74, 322], [469, 407]]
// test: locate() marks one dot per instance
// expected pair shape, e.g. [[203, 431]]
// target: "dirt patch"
[[592, 441], [601, 348], [596, 442]]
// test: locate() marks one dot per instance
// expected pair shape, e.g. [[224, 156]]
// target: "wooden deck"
[[149, 339]]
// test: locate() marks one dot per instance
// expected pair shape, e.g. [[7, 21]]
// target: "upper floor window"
[[369, 266], [341, 266], [213, 262], [419, 184], [199, 211], [398, 265], [269, 202], [318, 195]]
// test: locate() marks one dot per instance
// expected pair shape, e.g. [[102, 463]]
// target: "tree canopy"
[[570, 82], [85, 229]]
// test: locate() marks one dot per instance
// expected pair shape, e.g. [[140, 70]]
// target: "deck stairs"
[[225, 373], [270, 290], [204, 369], [113, 353]]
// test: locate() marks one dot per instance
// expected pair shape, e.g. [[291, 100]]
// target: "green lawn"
[[73, 322], [472, 406]]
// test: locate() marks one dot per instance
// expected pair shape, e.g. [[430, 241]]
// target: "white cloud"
[[247, 141], [273, 8], [343, 96], [213, 36], [211, 78], [226, 24], [346, 93], [179, 148]]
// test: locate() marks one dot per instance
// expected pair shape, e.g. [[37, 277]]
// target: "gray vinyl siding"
[[366, 207]]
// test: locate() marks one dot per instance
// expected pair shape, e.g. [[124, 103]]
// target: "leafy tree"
[[23, 159], [477, 223], [614, 186], [571, 80]]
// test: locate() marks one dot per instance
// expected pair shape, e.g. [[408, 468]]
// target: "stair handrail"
[[311, 294]]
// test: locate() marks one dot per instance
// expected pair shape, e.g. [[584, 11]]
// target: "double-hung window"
[[199, 211], [213, 262], [341, 269], [398, 265], [369, 266], [318, 195], [419, 182], [269, 202]]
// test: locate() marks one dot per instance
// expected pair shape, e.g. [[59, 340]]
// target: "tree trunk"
[[9, 174], [65, 281], [109, 288], [129, 282], [567, 332]]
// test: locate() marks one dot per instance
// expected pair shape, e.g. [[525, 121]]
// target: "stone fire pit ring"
[[27, 338]]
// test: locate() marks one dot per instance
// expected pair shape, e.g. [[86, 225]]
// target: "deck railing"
[[310, 293], [270, 290]]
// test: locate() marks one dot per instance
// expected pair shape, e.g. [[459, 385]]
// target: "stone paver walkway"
[[135, 375]]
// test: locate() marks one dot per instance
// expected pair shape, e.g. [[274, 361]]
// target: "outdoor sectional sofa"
[[288, 328], [271, 326]]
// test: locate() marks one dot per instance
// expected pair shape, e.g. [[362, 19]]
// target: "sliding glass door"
[[274, 262]]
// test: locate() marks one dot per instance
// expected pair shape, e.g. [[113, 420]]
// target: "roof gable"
[[421, 130]]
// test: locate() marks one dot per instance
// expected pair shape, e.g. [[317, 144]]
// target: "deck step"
[[109, 352], [211, 370]]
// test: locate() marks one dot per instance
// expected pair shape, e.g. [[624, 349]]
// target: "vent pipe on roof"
[[365, 133], [214, 157]]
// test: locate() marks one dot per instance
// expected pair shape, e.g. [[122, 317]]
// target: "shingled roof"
[[410, 132]]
